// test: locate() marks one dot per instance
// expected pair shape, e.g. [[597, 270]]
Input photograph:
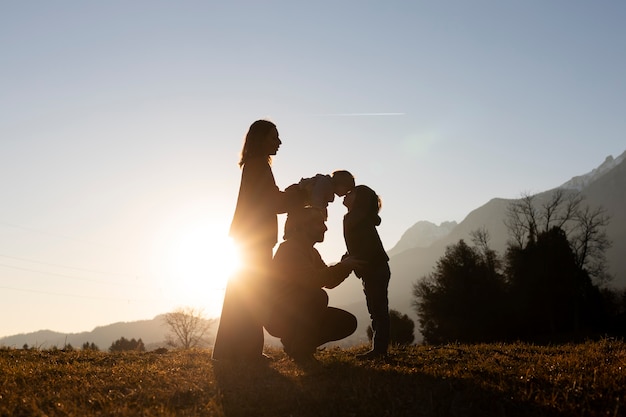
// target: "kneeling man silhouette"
[[299, 311]]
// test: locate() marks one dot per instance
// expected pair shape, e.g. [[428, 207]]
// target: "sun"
[[202, 258]]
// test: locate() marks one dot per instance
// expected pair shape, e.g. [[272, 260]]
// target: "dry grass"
[[453, 380]]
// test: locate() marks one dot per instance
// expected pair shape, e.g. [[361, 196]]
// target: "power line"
[[58, 294], [117, 299], [59, 236], [72, 277], [68, 267]]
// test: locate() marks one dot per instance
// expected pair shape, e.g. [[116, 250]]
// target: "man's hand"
[[353, 263]]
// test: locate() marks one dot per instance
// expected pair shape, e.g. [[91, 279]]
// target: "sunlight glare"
[[202, 259]]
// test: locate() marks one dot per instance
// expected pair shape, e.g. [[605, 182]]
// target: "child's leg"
[[375, 287]]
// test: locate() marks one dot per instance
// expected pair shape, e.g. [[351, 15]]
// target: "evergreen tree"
[[123, 345], [401, 329], [552, 296], [90, 346], [458, 300]]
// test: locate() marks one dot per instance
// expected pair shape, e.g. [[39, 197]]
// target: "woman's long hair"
[[254, 145]]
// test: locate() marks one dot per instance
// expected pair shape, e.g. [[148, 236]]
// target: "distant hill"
[[151, 332], [421, 235], [609, 191]]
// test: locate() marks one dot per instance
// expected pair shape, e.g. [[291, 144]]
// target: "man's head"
[[343, 181], [306, 224]]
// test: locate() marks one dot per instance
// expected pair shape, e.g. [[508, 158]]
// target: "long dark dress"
[[255, 229]]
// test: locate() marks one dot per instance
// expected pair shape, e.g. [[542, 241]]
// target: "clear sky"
[[121, 124]]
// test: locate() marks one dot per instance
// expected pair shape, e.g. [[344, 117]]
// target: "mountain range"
[[151, 332], [413, 257]]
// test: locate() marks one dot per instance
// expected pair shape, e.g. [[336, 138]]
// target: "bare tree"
[[188, 327], [584, 227], [590, 242], [480, 238], [528, 217], [521, 220]]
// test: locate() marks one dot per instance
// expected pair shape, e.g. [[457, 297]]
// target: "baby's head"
[[343, 182]]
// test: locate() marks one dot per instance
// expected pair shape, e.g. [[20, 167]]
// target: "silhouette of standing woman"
[[254, 228]]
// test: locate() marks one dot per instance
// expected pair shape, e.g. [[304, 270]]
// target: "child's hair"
[[343, 177], [367, 204]]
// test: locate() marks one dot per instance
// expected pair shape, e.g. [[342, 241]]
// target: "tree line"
[[549, 286]]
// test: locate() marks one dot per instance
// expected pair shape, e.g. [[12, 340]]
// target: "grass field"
[[586, 379]]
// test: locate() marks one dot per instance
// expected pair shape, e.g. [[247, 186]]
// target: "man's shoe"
[[299, 355]]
